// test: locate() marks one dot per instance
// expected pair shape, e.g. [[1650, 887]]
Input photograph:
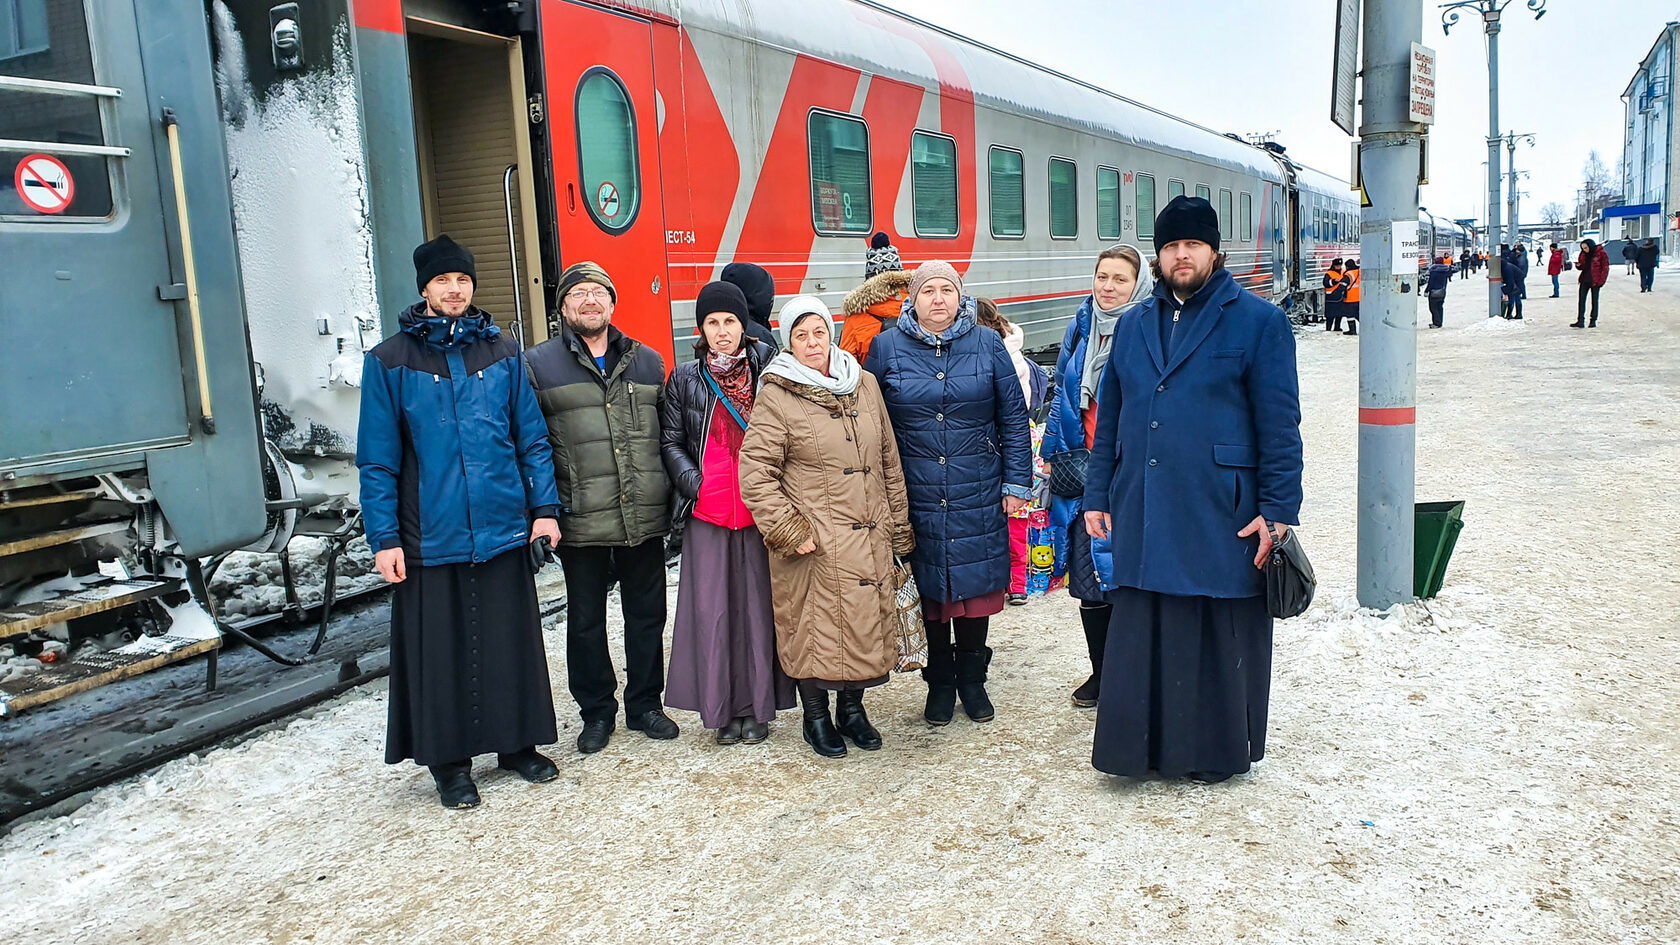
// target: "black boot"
[[852, 722], [456, 790], [1095, 619], [820, 732], [971, 683], [941, 678]]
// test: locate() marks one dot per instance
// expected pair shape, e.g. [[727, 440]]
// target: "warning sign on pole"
[[44, 183]]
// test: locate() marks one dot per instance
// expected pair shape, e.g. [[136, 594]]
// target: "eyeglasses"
[[580, 295]]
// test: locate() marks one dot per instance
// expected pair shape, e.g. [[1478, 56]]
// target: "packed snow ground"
[[1497, 765]]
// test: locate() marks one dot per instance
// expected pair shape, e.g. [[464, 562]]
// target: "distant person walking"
[[1594, 264], [1647, 263], [1554, 268], [1439, 275]]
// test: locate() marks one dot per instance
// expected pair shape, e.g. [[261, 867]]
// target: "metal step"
[[92, 670], [48, 498], [108, 595], [63, 536]]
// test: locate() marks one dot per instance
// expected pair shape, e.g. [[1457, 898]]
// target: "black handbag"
[[1289, 578], [1067, 473]]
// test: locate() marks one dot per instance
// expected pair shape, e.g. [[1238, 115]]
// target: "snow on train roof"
[[882, 41]]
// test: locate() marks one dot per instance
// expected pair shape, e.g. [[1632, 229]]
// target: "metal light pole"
[[1389, 142], [1511, 139], [1490, 11]]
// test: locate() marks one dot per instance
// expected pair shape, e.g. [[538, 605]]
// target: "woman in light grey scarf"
[[1121, 283]]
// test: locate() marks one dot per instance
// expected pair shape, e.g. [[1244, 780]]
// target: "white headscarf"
[[843, 370], [1101, 334]]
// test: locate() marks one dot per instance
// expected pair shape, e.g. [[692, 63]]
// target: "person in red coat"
[[1554, 267], [1594, 264]]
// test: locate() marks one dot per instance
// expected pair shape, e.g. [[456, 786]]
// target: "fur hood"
[[876, 289]]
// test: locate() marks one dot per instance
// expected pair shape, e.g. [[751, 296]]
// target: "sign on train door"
[[604, 134]]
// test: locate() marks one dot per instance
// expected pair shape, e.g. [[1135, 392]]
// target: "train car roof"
[[883, 41]]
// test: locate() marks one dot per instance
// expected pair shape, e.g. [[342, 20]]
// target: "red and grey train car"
[[662, 139]]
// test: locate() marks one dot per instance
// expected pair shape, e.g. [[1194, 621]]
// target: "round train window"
[[606, 129]]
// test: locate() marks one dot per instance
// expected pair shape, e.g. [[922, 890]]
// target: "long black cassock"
[[455, 464]]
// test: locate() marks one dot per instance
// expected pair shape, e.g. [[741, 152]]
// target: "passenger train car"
[[214, 207]]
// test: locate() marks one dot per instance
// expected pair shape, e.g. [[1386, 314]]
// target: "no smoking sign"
[[44, 183]]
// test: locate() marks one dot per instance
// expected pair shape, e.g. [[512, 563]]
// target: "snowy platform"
[[1497, 765]]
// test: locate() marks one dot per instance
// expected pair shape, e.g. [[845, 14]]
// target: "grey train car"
[[195, 389]]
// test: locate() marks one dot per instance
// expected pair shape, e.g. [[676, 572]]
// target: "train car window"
[[1108, 203], [933, 183], [1008, 194], [57, 121], [1145, 207], [606, 130], [1064, 199], [1204, 192], [1227, 222], [840, 195], [1245, 207], [1175, 188]]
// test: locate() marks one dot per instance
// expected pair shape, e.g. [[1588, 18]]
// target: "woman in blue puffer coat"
[[1120, 283], [961, 424]]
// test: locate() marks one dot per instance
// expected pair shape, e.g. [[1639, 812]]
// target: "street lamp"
[[1490, 11]]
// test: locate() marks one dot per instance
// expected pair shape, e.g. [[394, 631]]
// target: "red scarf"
[[734, 378]]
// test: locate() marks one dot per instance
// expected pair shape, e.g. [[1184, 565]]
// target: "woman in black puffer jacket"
[[723, 646]]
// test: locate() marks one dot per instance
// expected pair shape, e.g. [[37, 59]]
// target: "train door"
[[474, 149], [91, 292], [604, 134]]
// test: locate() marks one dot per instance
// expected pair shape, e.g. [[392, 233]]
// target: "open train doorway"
[[473, 142]]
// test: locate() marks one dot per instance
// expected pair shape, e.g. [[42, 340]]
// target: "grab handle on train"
[[171, 127]]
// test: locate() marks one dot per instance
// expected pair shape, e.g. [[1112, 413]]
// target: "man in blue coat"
[[456, 480], [1195, 470]]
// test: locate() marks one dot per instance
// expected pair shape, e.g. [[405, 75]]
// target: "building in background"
[[1648, 149]]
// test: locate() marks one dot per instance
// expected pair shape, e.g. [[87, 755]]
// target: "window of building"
[[839, 153], [1108, 203], [1008, 196], [1145, 207], [1203, 192], [65, 121], [1175, 188], [606, 130], [1064, 199], [933, 182], [1245, 206], [1227, 222]]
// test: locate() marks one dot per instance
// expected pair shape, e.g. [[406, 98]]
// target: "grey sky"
[[1265, 66]]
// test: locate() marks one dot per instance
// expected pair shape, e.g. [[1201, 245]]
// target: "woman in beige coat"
[[820, 474]]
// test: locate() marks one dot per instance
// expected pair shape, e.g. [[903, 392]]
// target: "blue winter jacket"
[[1189, 451], [964, 440], [1065, 430], [453, 452]]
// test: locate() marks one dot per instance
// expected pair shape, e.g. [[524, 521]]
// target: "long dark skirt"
[[468, 671], [723, 645], [1185, 685]]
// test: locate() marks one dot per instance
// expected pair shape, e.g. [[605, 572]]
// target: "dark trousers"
[[590, 572], [1437, 308], [1581, 308], [1645, 279]]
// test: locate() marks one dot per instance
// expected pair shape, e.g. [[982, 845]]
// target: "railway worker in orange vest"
[[1334, 293], [878, 302], [1351, 309]]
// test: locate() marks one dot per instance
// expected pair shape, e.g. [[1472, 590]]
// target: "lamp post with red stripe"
[[1398, 102]]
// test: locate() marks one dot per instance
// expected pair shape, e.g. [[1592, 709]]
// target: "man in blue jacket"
[[456, 480], [1196, 471]]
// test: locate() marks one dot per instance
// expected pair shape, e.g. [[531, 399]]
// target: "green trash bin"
[[1437, 526]]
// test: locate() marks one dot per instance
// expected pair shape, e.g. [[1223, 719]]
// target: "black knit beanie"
[[1187, 218], [720, 297], [434, 258]]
